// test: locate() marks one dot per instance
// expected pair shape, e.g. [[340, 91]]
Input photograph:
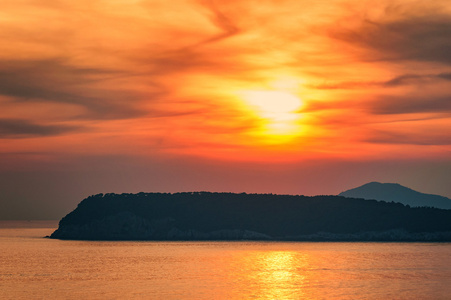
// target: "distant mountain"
[[229, 216], [397, 193]]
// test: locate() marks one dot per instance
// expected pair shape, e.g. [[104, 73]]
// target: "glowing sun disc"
[[273, 101]]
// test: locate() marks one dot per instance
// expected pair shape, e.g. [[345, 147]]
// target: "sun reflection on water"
[[278, 274]]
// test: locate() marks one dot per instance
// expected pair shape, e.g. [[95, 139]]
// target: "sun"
[[273, 102], [278, 112]]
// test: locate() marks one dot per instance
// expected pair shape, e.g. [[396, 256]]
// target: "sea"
[[34, 267]]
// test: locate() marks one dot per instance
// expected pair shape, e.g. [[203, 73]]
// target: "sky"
[[288, 97]]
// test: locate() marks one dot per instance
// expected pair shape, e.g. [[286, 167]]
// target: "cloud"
[[222, 22], [411, 104], [446, 76], [416, 138], [53, 80], [402, 80], [418, 34], [18, 128], [409, 79], [149, 70]]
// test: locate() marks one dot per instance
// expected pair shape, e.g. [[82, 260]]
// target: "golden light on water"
[[276, 274], [36, 268], [280, 273]]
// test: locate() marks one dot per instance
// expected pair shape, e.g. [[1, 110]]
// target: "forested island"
[[230, 216]]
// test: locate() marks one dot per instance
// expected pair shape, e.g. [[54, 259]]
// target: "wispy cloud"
[[55, 81], [405, 31], [151, 71], [399, 138], [401, 80], [412, 104], [17, 128], [223, 22]]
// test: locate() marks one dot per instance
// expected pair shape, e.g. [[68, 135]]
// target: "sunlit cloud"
[[401, 80], [147, 77]]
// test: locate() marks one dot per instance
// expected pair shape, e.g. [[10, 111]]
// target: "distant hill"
[[229, 216], [397, 193]]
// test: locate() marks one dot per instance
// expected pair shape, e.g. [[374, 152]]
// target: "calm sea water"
[[32, 267]]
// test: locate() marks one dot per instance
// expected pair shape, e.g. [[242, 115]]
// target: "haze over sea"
[[32, 267]]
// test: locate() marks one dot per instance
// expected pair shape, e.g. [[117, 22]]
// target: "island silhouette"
[[232, 216], [397, 193]]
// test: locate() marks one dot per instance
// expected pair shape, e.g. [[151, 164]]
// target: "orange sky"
[[226, 81]]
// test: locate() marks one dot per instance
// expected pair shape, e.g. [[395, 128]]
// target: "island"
[[233, 216], [395, 192]]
